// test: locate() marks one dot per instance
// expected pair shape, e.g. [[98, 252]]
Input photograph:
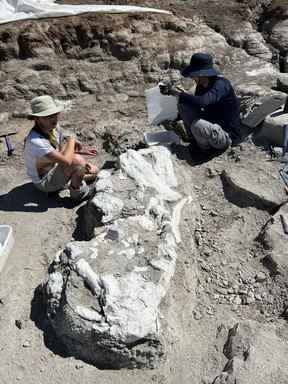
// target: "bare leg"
[[91, 170]]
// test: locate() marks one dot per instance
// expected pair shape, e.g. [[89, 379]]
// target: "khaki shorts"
[[53, 181]]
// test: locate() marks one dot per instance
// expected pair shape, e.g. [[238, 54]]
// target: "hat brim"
[[48, 112], [189, 72]]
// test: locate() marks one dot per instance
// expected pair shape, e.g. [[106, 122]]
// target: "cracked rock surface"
[[104, 295]]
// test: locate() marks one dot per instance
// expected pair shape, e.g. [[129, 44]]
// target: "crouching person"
[[211, 116], [51, 165]]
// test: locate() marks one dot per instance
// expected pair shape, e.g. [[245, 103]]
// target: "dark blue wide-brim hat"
[[201, 64]]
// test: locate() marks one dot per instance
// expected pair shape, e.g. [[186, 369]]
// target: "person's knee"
[[201, 129], [78, 160], [77, 170]]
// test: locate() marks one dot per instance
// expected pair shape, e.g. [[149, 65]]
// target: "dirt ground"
[[210, 279]]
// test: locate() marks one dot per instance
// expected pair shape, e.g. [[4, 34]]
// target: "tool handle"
[[9, 145], [284, 224]]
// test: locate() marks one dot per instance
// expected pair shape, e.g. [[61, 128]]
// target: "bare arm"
[[65, 156]]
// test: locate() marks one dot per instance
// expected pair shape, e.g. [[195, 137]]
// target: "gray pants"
[[56, 180], [207, 135]]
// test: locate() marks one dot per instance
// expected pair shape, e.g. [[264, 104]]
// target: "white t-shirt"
[[36, 148]]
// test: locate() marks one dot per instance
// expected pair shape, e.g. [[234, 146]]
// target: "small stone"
[[4, 117], [205, 267], [207, 253], [237, 159], [260, 277], [250, 298], [197, 315], [243, 291], [26, 344], [211, 172], [198, 238], [19, 324], [237, 300], [203, 207], [210, 311], [79, 366], [213, 213], [258, 297]]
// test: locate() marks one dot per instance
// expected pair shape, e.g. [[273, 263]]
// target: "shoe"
[[178, 127], [85, 192]]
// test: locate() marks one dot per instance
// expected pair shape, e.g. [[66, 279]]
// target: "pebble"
[[260, 277], [79, 366], [26, 344], [250, 298], [198, 238], [237, 300], [197, 315], [212, 172], [203, 207], [207, 253], [243, 291], [205, 267], [19, 324], [210, 311]]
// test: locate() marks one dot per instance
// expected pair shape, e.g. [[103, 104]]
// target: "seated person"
[[211, 117], [50, 164]]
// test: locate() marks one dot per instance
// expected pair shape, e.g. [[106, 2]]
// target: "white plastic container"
[[161, 138], [6, 243], [160, 107]]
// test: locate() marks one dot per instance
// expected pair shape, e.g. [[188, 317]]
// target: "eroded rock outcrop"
[[104, 295], [250, 348], [274, 238], [247, 186]]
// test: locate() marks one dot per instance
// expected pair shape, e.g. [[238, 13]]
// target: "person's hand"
[[90, 151], [167, 89], [87, 151], [174, 92], [91, 168]]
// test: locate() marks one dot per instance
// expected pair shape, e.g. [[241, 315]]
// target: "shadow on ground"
[[26, 198], [193, 155], [38, 316]]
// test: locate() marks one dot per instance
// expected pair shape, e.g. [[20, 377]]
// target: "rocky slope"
[[223, 318]]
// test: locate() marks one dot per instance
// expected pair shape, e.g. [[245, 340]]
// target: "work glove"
[[167, 89]]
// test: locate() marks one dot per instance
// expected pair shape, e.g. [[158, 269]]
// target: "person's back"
[[226, 110]]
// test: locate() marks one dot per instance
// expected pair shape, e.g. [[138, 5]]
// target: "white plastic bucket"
[[6, 243]]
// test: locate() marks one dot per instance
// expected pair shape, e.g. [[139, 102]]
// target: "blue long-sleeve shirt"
[[217, 104]]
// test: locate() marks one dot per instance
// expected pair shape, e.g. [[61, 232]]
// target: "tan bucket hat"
[[42, 106]]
